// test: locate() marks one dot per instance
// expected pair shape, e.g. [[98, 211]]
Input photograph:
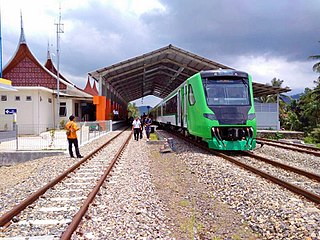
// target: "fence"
[[6, 122], [45, 138]]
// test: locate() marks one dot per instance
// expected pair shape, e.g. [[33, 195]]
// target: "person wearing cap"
[[72, 129]]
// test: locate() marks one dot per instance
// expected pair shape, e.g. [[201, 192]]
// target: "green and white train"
[[216, 106]]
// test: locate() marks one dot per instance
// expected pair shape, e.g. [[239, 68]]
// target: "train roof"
[[223, 72], [160, 72]]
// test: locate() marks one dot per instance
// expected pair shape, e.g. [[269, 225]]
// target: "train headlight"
[[251, 116], [210, 116]]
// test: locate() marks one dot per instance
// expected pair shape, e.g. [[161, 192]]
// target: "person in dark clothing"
[[143, 117], [72, 129], [136, 127], [147, 124]]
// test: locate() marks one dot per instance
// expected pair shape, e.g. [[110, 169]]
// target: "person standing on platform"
[[143, 117], [147, 124], [72, 129], [115, 115], [136, 127]]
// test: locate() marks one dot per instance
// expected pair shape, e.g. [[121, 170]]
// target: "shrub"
[[62, 123], [315, 134]]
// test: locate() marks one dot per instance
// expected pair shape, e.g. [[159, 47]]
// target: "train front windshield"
[[226, 92]]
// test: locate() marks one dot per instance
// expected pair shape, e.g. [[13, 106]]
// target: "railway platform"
[[25, 147]]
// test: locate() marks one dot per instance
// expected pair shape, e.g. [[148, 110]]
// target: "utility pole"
[[59, 30]]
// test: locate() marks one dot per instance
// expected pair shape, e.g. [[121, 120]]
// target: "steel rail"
[[78, 217], [290, 148], [284, 166], [289, 143], [6, 217], [293, 188]]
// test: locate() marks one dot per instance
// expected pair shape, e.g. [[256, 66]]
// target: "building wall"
[[31, 112], [70, 109], [267, 116]]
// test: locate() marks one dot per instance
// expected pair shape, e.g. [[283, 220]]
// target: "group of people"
[[138, 125]]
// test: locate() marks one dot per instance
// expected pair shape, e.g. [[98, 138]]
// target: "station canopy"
[[160, 72]]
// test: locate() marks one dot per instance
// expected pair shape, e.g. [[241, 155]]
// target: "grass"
[[184, 203], [153, 137]]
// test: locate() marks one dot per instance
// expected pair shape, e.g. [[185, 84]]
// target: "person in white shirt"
[[115, 115], [136, 127]]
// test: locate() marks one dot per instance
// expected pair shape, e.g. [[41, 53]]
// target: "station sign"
[[10, 110]]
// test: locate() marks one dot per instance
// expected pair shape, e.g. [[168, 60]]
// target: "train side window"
[[191, 98]]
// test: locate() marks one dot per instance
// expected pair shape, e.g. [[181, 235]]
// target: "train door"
[[178, 108], [185, 101]]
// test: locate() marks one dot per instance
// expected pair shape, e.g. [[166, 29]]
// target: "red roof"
[[94, 88], [25, 70], [49, 65], [91, 90]]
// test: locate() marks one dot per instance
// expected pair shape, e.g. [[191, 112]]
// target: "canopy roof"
[[160, 72]]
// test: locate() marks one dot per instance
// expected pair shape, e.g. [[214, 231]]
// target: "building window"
[[49, 100], [76, 109], [28, 98], [17, 98], [4, 98], [63, 109]]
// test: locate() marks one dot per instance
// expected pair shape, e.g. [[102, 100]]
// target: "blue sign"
[[10, 110]]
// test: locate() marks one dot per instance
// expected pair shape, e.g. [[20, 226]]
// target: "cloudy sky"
[[268, 39]]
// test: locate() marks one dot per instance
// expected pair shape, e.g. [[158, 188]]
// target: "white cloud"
[[297, 75], [137, 7], [147, 100], [37, 15], [98, 40]]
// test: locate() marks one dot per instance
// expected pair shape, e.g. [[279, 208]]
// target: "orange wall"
[[100, 102]]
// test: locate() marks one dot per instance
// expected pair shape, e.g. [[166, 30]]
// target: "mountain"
[[296, 96], [144, 109], [288, 99]]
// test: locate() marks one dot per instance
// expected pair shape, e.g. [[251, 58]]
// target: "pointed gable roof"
[[50, 66], [25, 70], [91, 90], [94, 89], [88, 88]]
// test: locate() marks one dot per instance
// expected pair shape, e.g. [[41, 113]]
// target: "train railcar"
[[214, 105]]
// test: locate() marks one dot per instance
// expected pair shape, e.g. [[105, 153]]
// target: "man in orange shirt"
[[72, 129]]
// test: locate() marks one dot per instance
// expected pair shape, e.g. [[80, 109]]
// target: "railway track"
[[290, 146], [55, 210], [309, 181]]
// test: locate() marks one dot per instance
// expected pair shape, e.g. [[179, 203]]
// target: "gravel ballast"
[[186, 194]]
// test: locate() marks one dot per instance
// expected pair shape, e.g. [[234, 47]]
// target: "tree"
[[309, 110], [273, 97], [316, 67], [313, 110], [133, 110], [316, 91]]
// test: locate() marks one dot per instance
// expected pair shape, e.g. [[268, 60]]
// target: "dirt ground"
[[191, 206]]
